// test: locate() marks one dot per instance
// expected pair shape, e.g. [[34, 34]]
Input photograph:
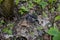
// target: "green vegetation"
[[41, 13], [17, 1], [58, 9], [43, 4], [7, 30], [54, 32], [39, 28], [1, 22], [57, 18], [52, 1], [1, 1], [23, 9], [37, 1], [10, 25]]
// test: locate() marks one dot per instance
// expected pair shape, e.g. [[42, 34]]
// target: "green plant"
[[17, 1], [7, 30], [39, 28], [54, 32], [37, 1], [31, 33], [51, 1], [52, 10], [30, 4], [1, 1], [23, 9], [23, 0], [58, 9], [44, 14], [2, 22], [10, 25], [43, 4], [57, 18], [57, 37]]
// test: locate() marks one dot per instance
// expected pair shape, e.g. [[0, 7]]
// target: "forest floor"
[[32, 25]]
